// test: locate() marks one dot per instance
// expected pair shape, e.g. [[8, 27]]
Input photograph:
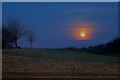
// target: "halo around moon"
[[82, 33]]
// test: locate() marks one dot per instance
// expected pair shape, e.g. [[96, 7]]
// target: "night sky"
[[53, 22]]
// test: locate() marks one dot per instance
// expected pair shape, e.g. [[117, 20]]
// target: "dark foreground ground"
[[57, 63]]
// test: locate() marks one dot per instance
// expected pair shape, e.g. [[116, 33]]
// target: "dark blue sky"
[[51, 21]]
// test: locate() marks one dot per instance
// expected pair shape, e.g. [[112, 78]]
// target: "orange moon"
[[82, 33]]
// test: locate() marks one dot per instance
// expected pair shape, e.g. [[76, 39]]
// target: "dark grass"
[[57, 56], [61, 54], [47, 75]]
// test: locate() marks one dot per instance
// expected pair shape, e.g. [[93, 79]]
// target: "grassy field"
[[45, 63]]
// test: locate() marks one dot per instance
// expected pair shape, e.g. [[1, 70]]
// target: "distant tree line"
[[12, 32], [112, 47]]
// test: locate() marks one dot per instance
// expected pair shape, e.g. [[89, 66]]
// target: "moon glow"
[[82, 34]]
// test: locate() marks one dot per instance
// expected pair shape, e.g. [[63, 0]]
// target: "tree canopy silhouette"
[[16, 31], [12, 32]]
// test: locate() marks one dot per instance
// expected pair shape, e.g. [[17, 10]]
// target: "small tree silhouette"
[[31, 37]]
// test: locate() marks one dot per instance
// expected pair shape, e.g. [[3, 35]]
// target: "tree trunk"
[[30, 44], [16, 45]]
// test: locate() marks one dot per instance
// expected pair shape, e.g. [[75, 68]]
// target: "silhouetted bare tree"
[[6, 38], [16, 31], [31, 37], [12, 32]]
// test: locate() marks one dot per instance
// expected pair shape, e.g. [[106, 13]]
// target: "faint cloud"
[[75, 22], [88, 9], [79, 10], [85, 24]]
